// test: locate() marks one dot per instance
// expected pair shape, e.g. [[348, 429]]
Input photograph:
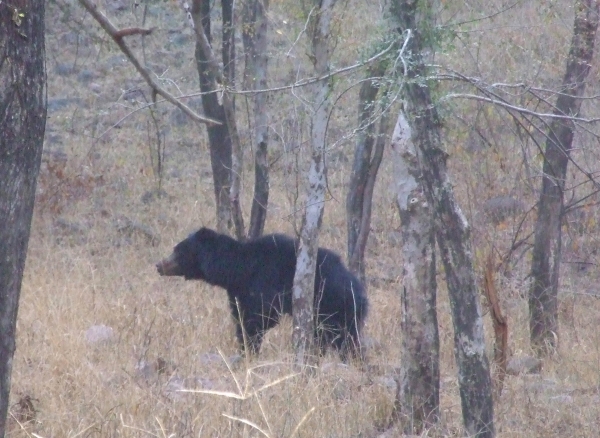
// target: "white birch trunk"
[[304, 279]]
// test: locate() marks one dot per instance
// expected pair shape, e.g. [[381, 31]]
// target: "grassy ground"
[[99, 227]]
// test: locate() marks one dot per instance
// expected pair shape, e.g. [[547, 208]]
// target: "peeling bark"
[[545, 264], [304, 278], [418, 398], [453, 233], [22, 124], [255, 47]]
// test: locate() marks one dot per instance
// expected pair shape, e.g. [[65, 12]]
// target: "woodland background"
[[105, 344]]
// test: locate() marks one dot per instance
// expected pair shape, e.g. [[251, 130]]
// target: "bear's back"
[[274, 259]]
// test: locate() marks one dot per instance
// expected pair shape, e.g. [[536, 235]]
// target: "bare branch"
[[202, 39], [129, 31], [519, 109], [298, 84], [117, 35], [312, 80], [302, 32], [489, 95]]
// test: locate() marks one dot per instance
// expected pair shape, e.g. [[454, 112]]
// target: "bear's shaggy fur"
[[258, 276]]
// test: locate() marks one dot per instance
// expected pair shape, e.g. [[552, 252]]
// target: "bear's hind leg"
[[254, 337], [323, 338], [350, 345]]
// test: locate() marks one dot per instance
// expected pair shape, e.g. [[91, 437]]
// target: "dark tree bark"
[[224, 141], [219, 137], [255, 47], [545, 265], [453, 233], [364, 171], [418, 398], [22, 124], [228, 79]]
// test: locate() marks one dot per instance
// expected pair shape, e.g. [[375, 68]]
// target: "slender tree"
[[224, 142], [228, 44], [453, 234], [368, 153], [255, 33], [22, 124], [545, 264], [319, 25]]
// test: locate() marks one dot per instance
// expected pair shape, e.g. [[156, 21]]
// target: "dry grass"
[[94, 245]]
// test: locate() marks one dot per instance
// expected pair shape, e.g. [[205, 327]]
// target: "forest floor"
[[105, 345]]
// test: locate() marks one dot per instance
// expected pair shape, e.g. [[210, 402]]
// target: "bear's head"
[[191, 257]]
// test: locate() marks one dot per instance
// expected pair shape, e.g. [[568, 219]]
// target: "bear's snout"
[[169, 266]]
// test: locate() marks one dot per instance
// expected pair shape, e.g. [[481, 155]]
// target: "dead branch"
[[493, 98], [117, 35], [490, 93], [519, 109], [315, 79], [129, 31]]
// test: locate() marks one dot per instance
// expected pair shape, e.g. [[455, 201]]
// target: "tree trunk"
[[418, 396], [237, 156], [22, 124], [228, 50], [218, 135], [453, 233], [364, 171], [224, 141], [545, 265], [255, 47], [304, 278]]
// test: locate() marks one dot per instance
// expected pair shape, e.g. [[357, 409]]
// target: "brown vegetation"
[[83, 270]]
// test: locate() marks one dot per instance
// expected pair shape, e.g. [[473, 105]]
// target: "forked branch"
[[117, 35]]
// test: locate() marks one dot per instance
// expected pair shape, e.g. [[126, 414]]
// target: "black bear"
[[258, 276]]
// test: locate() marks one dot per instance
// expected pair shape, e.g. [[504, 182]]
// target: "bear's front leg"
[[253, 338], [248, 331]]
